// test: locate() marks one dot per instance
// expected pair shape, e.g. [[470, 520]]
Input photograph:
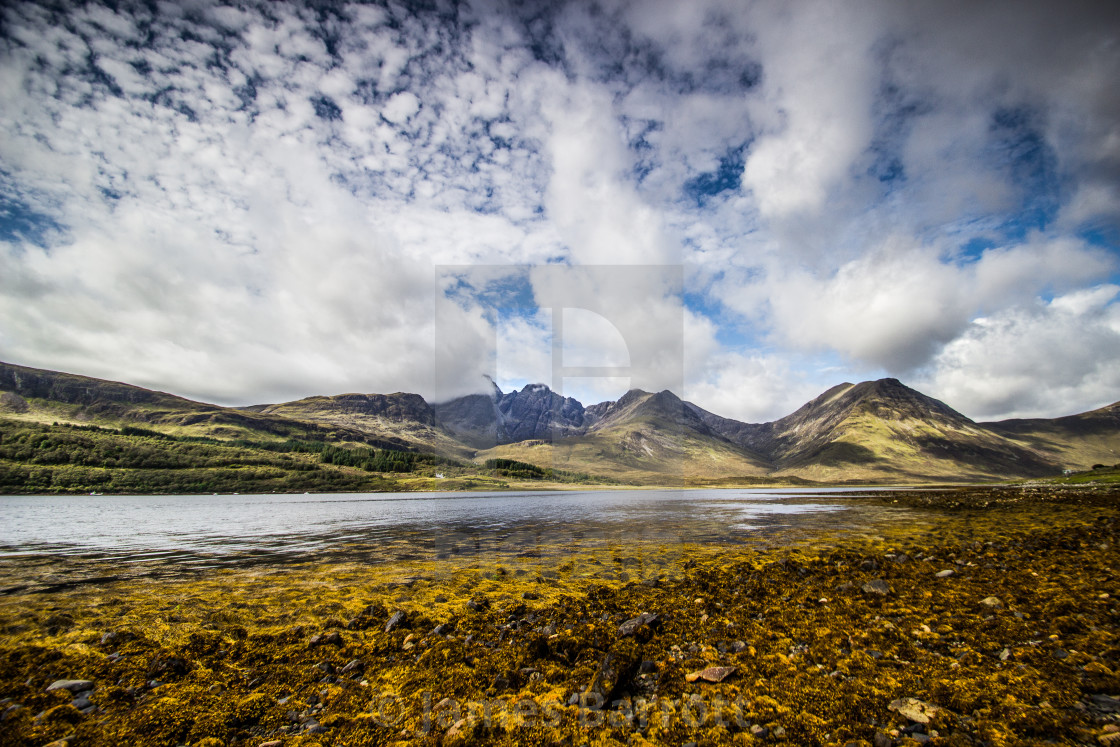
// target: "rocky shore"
[[992, 621]]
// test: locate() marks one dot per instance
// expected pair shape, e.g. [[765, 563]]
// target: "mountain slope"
[[1076, 441], [642, 438], [884, 430], [401, 418], [535, 412], [880, 431], [37, 395]]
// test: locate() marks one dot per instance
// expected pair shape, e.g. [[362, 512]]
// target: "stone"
[[882, 740], [74, 686], [606, 678], [944, 574], [913, 709], [633, 625], [329, 639], [531, 595], [877, 586], [354, 665], [396, 620], [443, 629], [711, 674], [993, 603], [759, 731], [1104, 703], [479, 604], [457, 728]]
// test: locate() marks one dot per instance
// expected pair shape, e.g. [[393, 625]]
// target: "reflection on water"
[[56, 539]]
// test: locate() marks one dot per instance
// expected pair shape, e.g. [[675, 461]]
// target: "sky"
[[263, 201]]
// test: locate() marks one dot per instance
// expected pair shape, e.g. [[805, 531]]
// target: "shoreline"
[[823, 636]]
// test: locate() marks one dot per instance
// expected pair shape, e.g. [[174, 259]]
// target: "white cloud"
[[401, 107], [189, 215], [818, 91], [1037, 360]]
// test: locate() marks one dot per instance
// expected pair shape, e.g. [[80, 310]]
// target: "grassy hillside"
[[404, 419], [1075, 442], [38, 458], [883, 431], [648, 439], [37, 396]]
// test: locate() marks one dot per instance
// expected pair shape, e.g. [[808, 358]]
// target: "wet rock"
[[869, 565], [758, 731], [611, 669], [74, 686], [531, 595], [738, 647], [355, 665], [117, 637], [993, 603], [641, 623], [168, 668], [944, 574], [396, 620], [367, 618], [882, 740], [10, 711], [479, 604], [458, 729], [328, 639], [444, 629], [877, 586], [1060, 654], [648, 667], [1104, 703], [710, 674], [913, 709]]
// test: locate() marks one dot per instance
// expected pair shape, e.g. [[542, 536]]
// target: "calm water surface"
[[185, 532]]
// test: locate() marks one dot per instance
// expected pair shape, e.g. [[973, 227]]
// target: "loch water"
[[63, 538]]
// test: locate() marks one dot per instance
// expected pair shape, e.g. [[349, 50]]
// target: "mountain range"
[[875, 431]]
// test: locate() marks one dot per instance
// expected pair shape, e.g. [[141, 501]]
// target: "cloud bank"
[[250, 203]]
